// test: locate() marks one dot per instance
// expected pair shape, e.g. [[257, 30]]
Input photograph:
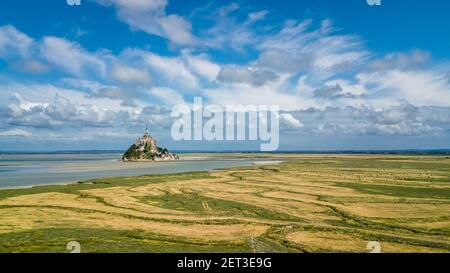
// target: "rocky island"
[[146, 149]]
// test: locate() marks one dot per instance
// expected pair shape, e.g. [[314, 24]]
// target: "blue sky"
[[345, 74]]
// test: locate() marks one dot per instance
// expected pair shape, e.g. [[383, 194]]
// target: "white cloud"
[[59, 113], [150, 16], [341, 89], [31, 66], [228, 32], [404, 61], [130, 97], [137, 5], [347, 86], [71, 57], [421, 88], [283, 61], [202, 66], [15, 133], [291, 38], [303, 48], [403, 119], [258, 15], [46, 93], [130, 75], [177, 29], [14, 42], [329, 60], [247, 94], [28, 55], [303, 87], [173, 69], [290, 121], [167, 96], [239, 74]]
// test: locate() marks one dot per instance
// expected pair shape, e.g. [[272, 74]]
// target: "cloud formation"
[[150, 16], [15, 133], [325, 80], [236, 74]]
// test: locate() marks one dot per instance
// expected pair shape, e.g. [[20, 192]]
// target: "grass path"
[[206, 206]]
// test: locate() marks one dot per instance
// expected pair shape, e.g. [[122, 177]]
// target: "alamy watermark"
[[374, 2], [374, 247], [73, 2], [74, 247], [227, 123]]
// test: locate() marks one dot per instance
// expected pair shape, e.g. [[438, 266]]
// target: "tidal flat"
[[28, 170], [306, 203]]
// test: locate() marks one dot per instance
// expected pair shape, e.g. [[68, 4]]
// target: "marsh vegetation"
[[309, 203]]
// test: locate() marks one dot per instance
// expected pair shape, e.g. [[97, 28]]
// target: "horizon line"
[[322, 151]]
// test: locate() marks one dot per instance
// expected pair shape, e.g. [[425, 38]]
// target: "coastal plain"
[[306, 203]]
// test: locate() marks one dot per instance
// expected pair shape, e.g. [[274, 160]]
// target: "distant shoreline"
[[394, 152]]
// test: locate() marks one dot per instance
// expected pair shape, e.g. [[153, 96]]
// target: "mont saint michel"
[[146, 149]]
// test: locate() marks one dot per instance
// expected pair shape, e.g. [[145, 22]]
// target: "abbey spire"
[[146, 149]]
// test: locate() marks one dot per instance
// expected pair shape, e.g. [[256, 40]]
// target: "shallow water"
[[41, 169]]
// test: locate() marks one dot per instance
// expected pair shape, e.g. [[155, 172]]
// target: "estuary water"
[[27, 170]]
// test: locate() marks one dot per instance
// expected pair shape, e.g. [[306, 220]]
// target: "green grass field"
[[309, 203]]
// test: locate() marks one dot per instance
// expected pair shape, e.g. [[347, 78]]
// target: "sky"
[[346, 75]]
